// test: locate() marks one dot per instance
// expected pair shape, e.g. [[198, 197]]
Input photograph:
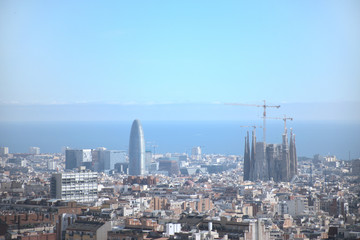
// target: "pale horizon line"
[[154, 103]]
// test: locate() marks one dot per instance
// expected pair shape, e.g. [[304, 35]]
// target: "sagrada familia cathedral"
[[277, 162]]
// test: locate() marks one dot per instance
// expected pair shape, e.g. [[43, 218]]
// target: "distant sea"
[[223, 137]]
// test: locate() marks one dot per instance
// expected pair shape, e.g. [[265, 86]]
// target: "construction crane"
[[254, 127], [284, 119], [251, 126], [264, 114], [154, 146]]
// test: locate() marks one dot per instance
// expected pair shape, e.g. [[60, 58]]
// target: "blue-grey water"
[[225, 137]]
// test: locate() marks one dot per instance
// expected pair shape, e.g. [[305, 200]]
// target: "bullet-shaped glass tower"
[[136, 149]]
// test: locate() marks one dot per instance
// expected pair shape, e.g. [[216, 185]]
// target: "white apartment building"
[[77, 186], [298, 205]]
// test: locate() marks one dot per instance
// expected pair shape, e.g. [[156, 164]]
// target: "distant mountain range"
[[338, 111]]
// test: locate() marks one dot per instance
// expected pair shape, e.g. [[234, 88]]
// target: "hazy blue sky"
[[183, 52]]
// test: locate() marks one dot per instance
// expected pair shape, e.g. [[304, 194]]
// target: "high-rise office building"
[[355, 167], [34, 150], [136, 149], [196, 153], [4, 150], [105, 160], [51, 164], [148, 160], [95, 155], [112, 157], [74, 158], [80, 186]]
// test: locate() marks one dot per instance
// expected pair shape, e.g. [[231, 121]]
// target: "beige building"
[[157, 203], [200, 205]]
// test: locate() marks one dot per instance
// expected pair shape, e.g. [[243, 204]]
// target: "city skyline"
[[132, 120]]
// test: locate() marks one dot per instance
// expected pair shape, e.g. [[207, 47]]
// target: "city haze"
[[178, 53]]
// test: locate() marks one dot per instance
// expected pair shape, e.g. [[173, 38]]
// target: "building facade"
[[148, 161], [105, 160], [355, 167], [196, 153], [74, 158], [88, 230], [80, 186], [113, 157], [4, 150]]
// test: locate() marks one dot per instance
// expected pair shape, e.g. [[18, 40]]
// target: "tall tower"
[[293, 156], [247, 158], [196, 153], [285, 158], [136, 149], [253, 175]]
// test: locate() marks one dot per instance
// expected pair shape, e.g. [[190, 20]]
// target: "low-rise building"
[[88, 230]]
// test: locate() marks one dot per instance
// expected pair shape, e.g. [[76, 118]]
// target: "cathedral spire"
[[252, 156], [247, 158], [293, 157]]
